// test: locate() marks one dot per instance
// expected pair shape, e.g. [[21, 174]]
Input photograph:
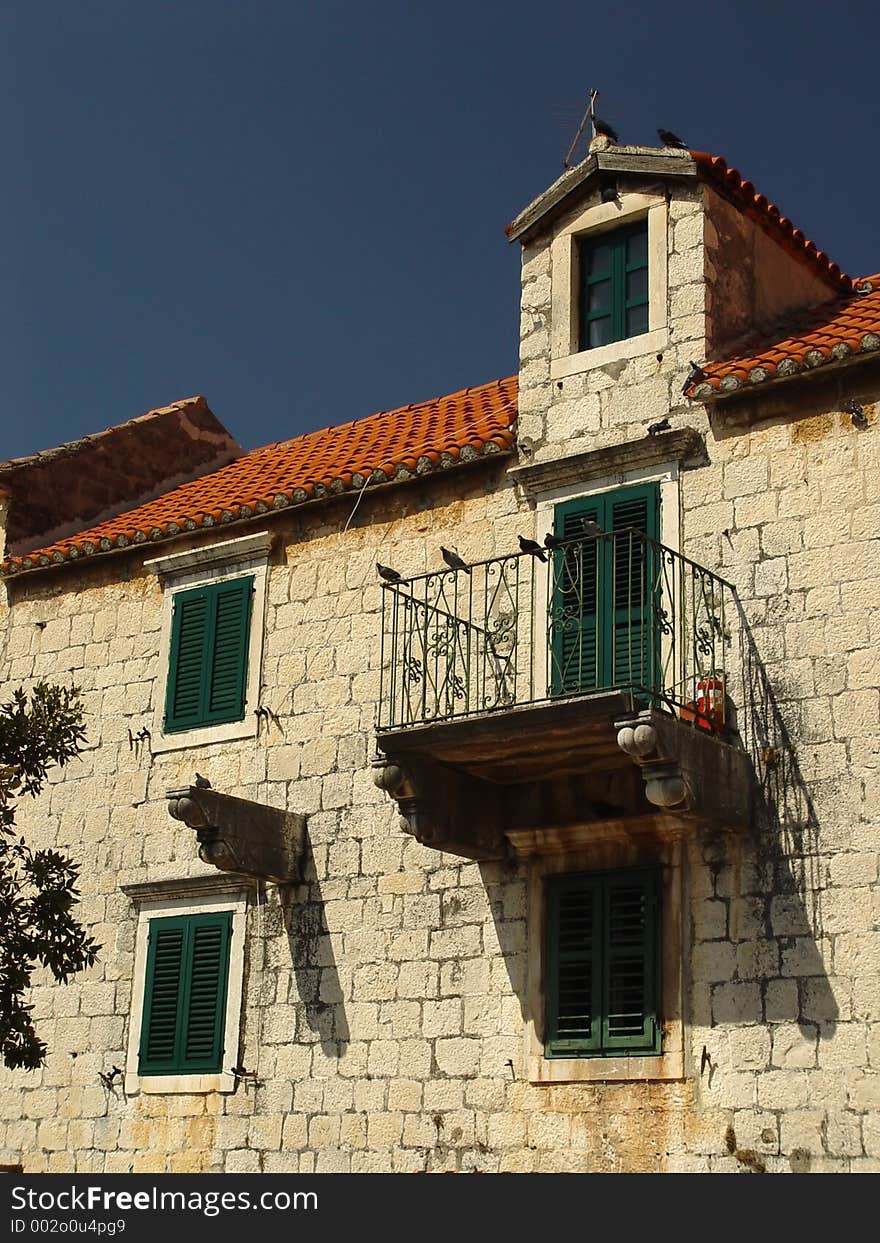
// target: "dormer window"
[[613, 286], [608, 284]]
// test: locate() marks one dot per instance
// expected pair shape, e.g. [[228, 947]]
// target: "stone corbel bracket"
[[441, 808], [236, 835], [688, 772]]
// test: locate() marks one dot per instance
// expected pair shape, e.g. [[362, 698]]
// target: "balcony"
[[529, 697]]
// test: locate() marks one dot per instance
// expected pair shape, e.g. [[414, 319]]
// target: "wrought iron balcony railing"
[[610, 612]]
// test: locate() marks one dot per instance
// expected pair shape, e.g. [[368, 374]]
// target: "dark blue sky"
[[296, 207]]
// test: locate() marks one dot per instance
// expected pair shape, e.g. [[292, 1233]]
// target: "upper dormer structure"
[[636, 263]]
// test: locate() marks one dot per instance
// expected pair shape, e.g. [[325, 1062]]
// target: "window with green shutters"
[[613, 286], [207, 677], [184, 1016], [604, 628], [602, 964]]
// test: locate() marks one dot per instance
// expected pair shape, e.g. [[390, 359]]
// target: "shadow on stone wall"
[[783, 850], [321, 1002], [753, 907]]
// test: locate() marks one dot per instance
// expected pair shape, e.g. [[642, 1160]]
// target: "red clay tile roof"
[[831, 333], [394, 445], [730, 182]]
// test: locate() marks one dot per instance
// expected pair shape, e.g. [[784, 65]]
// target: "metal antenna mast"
[[588, 116]]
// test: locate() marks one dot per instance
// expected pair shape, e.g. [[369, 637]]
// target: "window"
[[613, 286], [211, 646], [186, 999], [185, 995], [602, 965], [604, 632], [207, 673]]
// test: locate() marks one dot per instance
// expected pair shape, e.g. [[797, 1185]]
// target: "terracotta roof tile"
[[730, 182], [831, 333], [393, 445]]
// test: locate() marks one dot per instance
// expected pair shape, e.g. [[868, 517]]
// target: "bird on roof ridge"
[[669, 139], [603, 130]]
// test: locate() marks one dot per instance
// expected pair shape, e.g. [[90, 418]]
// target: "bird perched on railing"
[[202, 783], [591, 528], [453, 560], [552, 541], [529, 545], [386, 572], [669, 139]]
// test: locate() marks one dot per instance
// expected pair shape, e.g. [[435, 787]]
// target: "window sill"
[[232, 731], [551, 1070], [155, 1085], [588, 360]]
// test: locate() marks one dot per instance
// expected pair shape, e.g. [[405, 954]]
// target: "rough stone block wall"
[[385, 995]]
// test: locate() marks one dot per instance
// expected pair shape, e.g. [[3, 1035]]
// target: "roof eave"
[[761, 378], [296, 499], [637, 162]]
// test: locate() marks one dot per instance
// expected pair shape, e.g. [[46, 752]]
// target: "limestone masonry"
[[390, 1006]]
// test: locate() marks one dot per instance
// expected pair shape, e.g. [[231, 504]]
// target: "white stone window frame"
[[565, 357], [245, 557], [195, 896], [665, 475], [611, 854]]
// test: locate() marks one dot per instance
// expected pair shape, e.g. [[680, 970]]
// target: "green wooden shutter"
[[162, 1000], [629, 1002], [603, 594], [575, 603], [601, 966], [185, 995], [225, 691], [189, 637], [207, 674], [632, 579], [613, 286], [573, 966]]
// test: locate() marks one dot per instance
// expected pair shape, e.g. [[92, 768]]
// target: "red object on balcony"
[[708, 711]]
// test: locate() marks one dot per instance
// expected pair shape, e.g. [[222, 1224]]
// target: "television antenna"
[[588, 116]]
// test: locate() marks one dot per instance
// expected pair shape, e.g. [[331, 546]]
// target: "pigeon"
[[609, 194], [662, 426], [453, 560], [591, 528], [694, 376], [603, 129], [202, 783], [669, 139], [552, 541], [386, 572], [529, 545]]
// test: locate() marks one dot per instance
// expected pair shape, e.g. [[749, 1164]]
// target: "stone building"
[[566, 860]]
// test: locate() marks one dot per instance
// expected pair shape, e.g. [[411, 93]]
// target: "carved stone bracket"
[[236, 835], [664, 783], [687, 771], [431, 801]]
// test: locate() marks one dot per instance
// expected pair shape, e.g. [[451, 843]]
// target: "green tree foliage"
[[37, 887]]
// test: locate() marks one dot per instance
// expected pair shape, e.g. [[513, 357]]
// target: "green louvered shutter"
[[185, 995], [573, 966], [225, 691], [163, 992], [576, 603], [630, 944], [601, 977], [604, 591], [632, 580], [207, 676]]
